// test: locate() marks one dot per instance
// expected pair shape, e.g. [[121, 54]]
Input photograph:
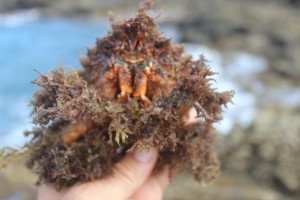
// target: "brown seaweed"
[[85, 124]]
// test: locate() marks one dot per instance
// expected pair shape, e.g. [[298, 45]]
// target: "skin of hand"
[[132, 179]]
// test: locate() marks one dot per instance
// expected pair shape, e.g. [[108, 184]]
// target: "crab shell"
[[133, 74]]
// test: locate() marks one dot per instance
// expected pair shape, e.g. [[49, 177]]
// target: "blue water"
[[42, 45], [28, 42]]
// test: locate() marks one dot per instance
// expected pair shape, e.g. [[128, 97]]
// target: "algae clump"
[[134, 91]]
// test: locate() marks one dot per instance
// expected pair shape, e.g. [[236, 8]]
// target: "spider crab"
[[133, 72]]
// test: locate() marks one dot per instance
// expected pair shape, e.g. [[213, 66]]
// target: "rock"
[[269, 150], [260, 27], [226, 187], [78, 8], [16, 182]]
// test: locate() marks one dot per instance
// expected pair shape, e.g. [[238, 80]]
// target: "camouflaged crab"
[[135, 90], [133, 73]]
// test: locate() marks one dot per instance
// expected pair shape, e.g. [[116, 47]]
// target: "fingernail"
[[144, 156]]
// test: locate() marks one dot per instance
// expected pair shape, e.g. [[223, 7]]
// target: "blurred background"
[[254, 45]]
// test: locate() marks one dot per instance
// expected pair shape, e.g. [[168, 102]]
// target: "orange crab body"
[[129, 75], [130, 65]]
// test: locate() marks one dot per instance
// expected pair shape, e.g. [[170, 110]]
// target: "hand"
[[132, 179]]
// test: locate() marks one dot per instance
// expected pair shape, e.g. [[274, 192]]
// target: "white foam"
[[213, 57], [241, 65], [18, 18]]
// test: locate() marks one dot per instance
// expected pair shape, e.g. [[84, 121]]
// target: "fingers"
[[48, 193], [154, 187], [191, 117], [128, 176], [133, 171]]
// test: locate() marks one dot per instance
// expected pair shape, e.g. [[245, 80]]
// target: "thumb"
[[127, 177], [130, 174]]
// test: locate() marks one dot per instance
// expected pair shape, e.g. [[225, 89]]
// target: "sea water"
[[41, 44], [28, 42]]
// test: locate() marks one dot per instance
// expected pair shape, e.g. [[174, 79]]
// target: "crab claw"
[[140, 86], [145, 100], [125, 79]]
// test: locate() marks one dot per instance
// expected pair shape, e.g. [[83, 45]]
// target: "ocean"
[[29, 42]]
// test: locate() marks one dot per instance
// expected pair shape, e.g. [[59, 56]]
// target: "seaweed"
[[134, 91]]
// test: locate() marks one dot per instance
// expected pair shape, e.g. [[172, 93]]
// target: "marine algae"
[[134, 91]]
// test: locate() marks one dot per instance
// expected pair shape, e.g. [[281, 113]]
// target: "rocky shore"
[[262, 159], [265, 28], [268, 150], [79, 8]]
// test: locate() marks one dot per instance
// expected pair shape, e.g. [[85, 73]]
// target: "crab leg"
[[140, 86], [156, 80], [108, 82], [125, 80], [74, 131]]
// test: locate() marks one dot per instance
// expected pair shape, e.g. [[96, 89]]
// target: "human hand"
[[132, 179]]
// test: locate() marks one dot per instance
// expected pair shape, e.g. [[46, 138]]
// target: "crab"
[[130, 74], [133, 74]]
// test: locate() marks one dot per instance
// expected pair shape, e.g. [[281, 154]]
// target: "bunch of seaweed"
[[135, 90]]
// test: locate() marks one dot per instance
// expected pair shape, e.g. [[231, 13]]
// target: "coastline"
[[273, 36]]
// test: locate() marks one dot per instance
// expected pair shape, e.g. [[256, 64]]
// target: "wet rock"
[[227, 187], [260, 27], [294, 3], [269, 150], [78, 8], [16, 182]]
